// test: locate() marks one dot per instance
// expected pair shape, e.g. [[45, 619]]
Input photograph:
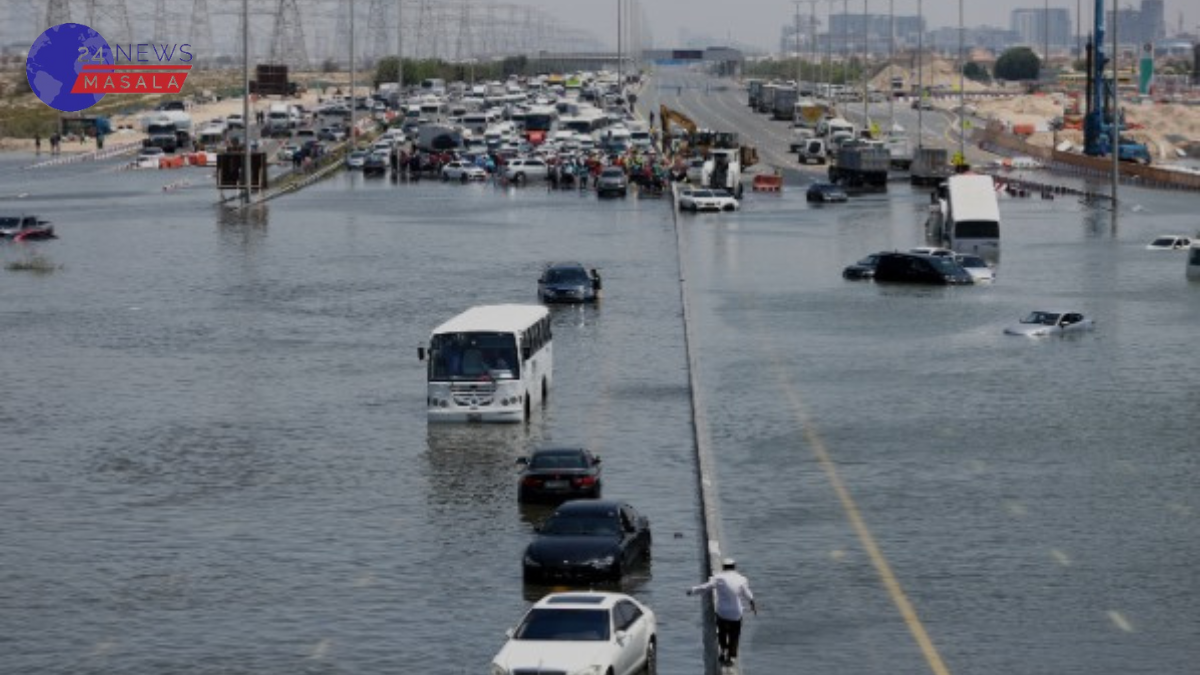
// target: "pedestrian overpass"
[[725, 58]]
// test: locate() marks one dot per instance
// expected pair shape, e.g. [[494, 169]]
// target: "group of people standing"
[[55, 143]]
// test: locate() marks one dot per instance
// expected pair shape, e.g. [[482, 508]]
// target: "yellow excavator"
[[668, 117], [701, 141]]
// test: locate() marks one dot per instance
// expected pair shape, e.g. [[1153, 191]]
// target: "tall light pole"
[[620, 60], [797, 3], [400, 48], [891, 60], [1046, 37], [829, 50], [353, 102], [962, 108], [920, 74], [246, 164], [866, 52]]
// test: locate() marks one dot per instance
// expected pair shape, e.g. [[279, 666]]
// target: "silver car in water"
[[1038, 324]]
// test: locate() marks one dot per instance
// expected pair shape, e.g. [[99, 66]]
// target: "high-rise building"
[[1039, 26]]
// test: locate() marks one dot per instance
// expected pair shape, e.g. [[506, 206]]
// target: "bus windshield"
[[977, 229], [474, 356], [538, 122]]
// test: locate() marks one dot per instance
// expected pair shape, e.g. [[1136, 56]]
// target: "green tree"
[[976, 72], [1018, 63]]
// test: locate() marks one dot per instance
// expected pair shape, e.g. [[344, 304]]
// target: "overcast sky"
[[757, 22]]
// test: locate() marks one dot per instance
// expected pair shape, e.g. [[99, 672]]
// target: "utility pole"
[[246, 164], [797, 4], [920, 75], [353, 75], [400, 48], [891, 60], [1116, 118], [1046, 39], [962, 108], [865, 79]]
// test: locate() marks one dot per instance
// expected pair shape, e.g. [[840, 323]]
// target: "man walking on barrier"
[[731, 590]]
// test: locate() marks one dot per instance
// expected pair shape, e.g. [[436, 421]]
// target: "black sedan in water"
[[568, 282], [557, 474], [863, 269], [825, 192], [588, 539]]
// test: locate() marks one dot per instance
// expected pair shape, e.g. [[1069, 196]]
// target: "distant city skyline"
[[752, 23], [758, 22]]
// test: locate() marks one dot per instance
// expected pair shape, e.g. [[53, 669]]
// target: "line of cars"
[[922, 265], [939, 266], [586, 540]]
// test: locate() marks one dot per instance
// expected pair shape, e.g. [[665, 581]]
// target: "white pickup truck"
[[800, 136]]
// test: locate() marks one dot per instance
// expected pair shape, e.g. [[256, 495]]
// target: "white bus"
[[492, 363], [971, 215]]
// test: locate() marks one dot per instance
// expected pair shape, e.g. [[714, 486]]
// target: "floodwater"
[[217, 460]]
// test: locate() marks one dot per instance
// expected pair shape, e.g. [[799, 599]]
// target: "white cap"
[[728, 563]]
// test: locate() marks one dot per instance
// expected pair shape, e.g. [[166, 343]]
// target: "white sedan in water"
[[462, 171], [706, 200], [580, 632], [1038, 324]]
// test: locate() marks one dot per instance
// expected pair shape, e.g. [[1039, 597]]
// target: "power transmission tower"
[[463, 48], [58, 12], [160, 21], [110, 18], [201, 36], [287, 41], [377, 19]]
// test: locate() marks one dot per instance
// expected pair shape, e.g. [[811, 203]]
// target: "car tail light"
[[530, 481], [585, 481]]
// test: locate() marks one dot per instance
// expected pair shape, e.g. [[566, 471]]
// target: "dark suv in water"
[[919, 268], [568, 282]]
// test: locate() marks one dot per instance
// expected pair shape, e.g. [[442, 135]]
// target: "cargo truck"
[[784, 105], [861, 166]]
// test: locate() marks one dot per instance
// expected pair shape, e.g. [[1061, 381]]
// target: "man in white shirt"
[[731, 590]]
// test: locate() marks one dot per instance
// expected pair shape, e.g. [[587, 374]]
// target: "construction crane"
[[1102, 111]]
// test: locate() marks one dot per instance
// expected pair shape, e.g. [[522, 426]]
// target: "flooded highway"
[[217, 459]]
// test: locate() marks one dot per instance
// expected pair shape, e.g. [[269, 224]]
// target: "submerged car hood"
[[1030, 329], [572, 549], [553, 655], [558, 288]]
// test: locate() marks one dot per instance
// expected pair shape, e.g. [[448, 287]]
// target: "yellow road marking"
[[321, 649], [1120, 621], [882, 568], [1060, 557]]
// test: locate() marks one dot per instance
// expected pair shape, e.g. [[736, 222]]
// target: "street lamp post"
[[962, 108], [246, 163], [920, 74], [797, 3], [866, 82]]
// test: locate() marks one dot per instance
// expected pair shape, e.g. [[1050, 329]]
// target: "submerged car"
[[588, 539], [919, 268], [581, 632], [569, 282], [557, 474], [863, 269], [375, 165], [979, 269], [706, 200], [826, 192], [1037, 324], [356, 159], [612, 181], [1170, 242], [463, 171]]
